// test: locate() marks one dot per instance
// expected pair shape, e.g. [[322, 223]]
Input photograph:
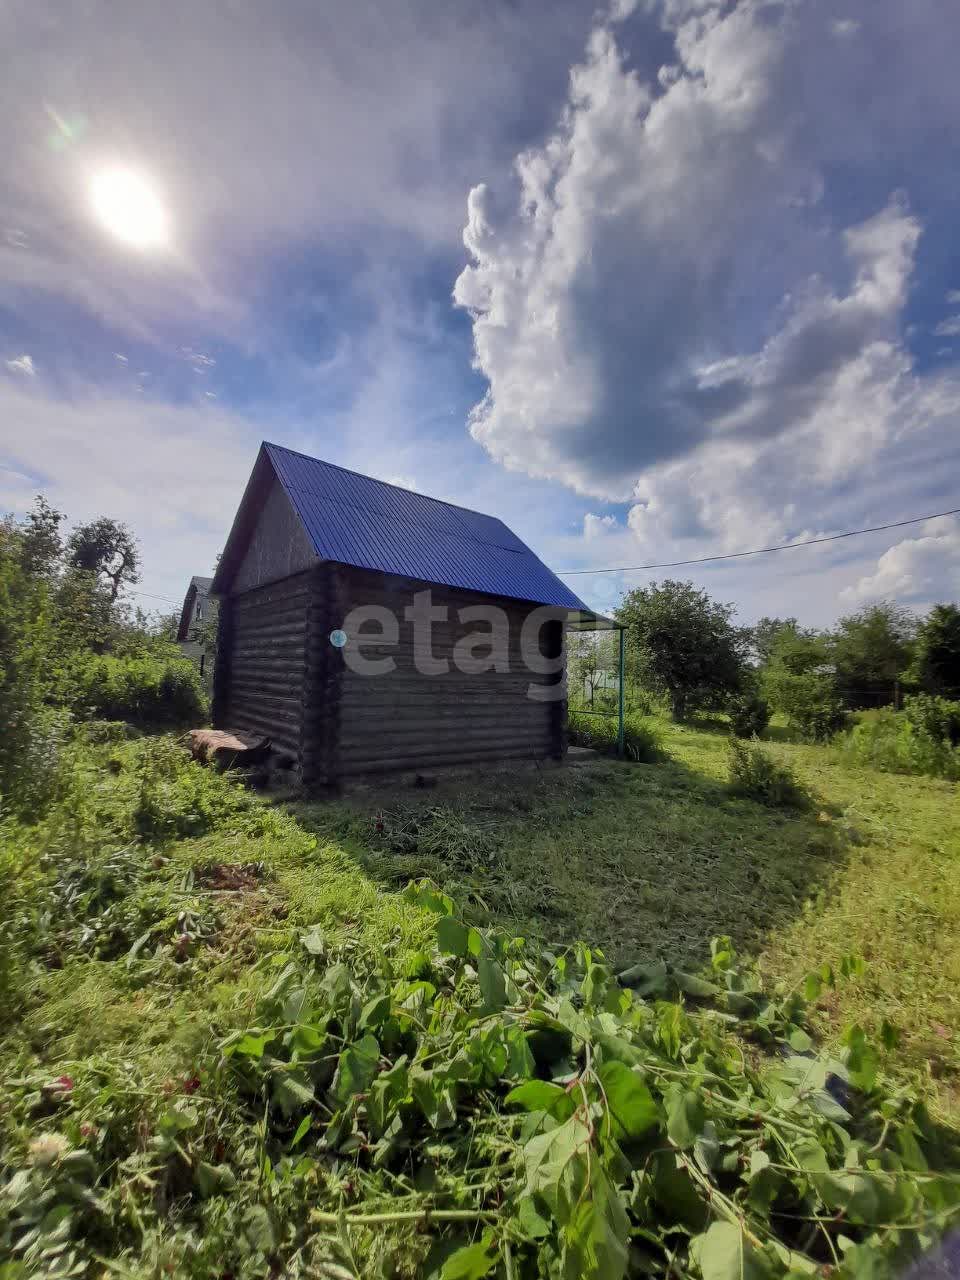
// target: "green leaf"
[[427, 895], [646, 979], [453, 938], [312, 941], [670, 1027], [357, 1068], [214, 1179], [812, 987], [248, 1045], [470, 1263], [434, 1094], [862, 1058], [723, 1253], [548, 1156], [375, 1011], [630, 1104], [258, 1229], [493, 985], [291, 1093], [387, 1092], [302, 1130], [694, 986], [542, 1095], [597, 1234], [685, 1116]]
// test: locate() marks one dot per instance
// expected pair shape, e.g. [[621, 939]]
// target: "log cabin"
[[369, 630]]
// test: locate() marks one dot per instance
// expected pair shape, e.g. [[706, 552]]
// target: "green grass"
[[647, 861]]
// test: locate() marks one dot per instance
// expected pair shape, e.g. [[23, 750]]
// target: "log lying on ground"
[[228, 748]]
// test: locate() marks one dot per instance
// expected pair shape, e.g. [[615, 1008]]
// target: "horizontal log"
[[287, 690], [295, 627], [290, 708], [270, 667], [377, 747], [358, 768], [296, 582]]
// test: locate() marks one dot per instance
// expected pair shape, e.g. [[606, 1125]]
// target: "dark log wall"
[[407, 720], [261, 679]]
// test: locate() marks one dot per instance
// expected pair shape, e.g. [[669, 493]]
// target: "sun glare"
[[127, 204]]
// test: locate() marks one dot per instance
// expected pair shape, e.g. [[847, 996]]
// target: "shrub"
[[916, 740], [936, 718], [35, 737], [755, 774], [749, 715], [808, 699], [156, 691], [641, 739]]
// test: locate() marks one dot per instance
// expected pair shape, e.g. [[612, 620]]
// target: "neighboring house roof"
[[353, 519], [199, 586]]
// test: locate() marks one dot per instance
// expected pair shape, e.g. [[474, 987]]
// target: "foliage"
[[764, 634], [936, 665], [872, 648], [756, 774], [684, 644], [641, 737], [159, 689], [799, 681], [30, 736], [936, 718], [497, 1109], [749, 715], [924, 738], [107, 552]]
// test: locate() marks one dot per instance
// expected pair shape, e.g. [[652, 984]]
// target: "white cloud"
[[23, 365], [845, 27], [595, 526], [174, 473], [674, 314], [949, 328], [921, 570]]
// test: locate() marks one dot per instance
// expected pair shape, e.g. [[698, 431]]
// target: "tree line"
[[690, 650]]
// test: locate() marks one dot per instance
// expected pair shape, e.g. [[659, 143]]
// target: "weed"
[[749, 715], [755, 774]]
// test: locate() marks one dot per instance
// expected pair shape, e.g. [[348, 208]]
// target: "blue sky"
[[651, 281]]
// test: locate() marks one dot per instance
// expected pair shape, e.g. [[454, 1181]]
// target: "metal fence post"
[[620, 708]]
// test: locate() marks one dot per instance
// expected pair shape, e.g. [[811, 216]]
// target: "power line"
[[760, 551], [149, 596]]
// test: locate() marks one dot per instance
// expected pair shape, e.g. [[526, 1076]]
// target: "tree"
[[39, 541], [936, 664], [685, 644], [800, 681], [872, 648], [765, 632], [107, 550]]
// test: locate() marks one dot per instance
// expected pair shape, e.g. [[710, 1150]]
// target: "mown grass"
[[643, 860]]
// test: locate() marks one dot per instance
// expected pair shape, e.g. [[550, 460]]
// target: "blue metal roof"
[[356, 520]]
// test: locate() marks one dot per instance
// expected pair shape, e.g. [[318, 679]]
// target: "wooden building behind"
[[311, 544]]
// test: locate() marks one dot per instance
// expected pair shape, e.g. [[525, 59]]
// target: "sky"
[[651, 281]]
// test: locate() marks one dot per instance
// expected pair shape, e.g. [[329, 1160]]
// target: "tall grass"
[[642, 738], [903, 741], [149, 690]]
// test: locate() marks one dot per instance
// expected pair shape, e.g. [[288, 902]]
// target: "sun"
[[128, 205]]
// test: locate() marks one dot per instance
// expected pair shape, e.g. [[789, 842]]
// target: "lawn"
[[644, 861], [162, 900]]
